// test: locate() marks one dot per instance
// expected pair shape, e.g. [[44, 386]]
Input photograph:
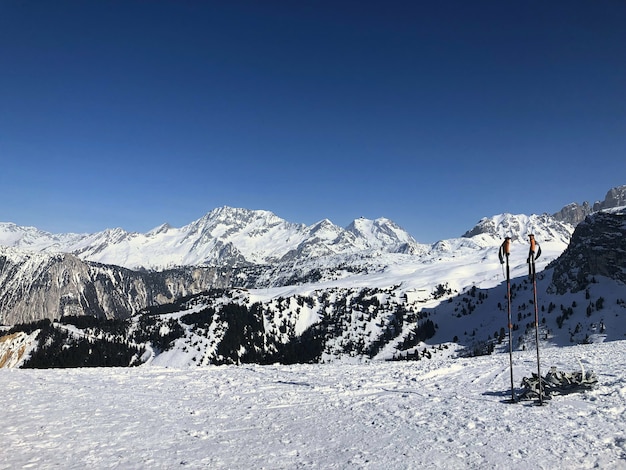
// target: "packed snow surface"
[[439, 413]]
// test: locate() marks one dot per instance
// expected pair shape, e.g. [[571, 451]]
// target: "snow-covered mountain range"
[[223, 237], [368, 290], [238, 237], [90, 274]]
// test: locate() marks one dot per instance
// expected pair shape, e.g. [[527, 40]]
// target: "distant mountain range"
[[115, 273], [240, 237], [363, 290], [223, 237]]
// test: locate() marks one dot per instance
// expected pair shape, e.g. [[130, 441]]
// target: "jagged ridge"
[[598, 248], [575, 213], [223, 237]]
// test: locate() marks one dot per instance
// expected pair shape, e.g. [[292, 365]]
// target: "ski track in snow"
[[439, 413]]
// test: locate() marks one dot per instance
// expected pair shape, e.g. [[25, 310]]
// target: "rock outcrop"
[[597, 248]]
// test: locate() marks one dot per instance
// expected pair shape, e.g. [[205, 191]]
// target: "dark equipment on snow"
[[533, 254], [556, 383], [503, 254]]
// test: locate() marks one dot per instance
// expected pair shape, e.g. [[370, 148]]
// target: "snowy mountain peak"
[[490, 230], [229, 236], [225, 236], [31, 238], [239, 217], [225, 222], [163, 228], [325, 230], [380, 232]]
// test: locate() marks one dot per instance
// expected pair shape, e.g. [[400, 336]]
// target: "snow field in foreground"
[[439, 413]]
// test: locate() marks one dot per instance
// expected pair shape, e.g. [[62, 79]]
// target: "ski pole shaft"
[[504, 252], [537, 338], [510, 325], [533, 276]]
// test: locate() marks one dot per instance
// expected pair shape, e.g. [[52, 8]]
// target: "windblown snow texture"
[[442, 413]]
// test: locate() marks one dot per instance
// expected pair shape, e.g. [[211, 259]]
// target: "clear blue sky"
[[433, 114]]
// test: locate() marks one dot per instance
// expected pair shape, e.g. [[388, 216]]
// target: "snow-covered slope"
[[340, 296], [443, 413]]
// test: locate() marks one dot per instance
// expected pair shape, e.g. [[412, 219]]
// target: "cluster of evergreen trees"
[[59, 348], [160, 333]]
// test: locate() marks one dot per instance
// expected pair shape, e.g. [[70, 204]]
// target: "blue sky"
[[433, 114]]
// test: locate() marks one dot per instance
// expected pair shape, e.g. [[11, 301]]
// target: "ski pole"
[[505, 250], [533, 254]]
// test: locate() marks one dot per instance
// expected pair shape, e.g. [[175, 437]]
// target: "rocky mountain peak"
[[615, 197], [575, 213], [243, 217], [597, 248]]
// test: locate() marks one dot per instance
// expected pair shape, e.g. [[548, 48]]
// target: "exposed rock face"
[[34, 286], [616, 197], [597, 248], [14, 348], [575, 213]]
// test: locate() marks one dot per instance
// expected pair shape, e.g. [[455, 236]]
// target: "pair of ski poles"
[[533, 254]]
